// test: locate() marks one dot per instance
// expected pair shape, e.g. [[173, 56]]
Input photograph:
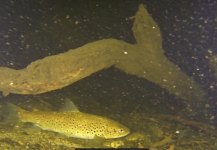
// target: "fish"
[[69, 121]]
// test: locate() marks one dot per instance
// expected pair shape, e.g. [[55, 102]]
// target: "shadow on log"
[[144, 59]]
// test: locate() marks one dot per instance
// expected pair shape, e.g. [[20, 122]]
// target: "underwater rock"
[[114, 144], [135, 137]]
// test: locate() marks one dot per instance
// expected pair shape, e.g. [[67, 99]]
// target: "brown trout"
[[70, 122]]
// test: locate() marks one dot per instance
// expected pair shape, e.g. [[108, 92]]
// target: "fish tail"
[[12, 113]]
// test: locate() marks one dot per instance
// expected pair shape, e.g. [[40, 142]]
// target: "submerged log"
[[144, 59]]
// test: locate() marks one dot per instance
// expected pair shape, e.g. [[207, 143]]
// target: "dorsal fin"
[[69, 106]]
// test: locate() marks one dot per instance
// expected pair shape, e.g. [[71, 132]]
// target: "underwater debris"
[[213, 64], [157, 131], [206, 128], [140, 145], [166, 140], [171, 147]]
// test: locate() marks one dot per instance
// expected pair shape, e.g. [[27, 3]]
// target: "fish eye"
[[120, 130]]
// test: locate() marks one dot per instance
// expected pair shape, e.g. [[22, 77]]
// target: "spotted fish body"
[[73, 123]]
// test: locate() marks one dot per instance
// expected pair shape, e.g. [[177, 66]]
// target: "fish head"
[[116, 131]]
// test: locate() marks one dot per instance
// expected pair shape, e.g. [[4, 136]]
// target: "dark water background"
[[33, 29]]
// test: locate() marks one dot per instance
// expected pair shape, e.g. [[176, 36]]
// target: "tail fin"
[[12, 115]]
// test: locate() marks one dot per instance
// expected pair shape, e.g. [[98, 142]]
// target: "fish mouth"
[[127, 132], [121, 136]]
